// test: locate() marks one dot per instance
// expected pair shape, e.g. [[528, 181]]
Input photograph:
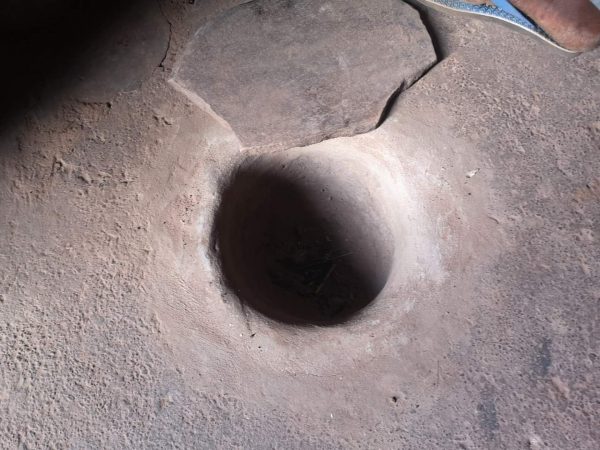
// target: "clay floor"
[[148, 290]]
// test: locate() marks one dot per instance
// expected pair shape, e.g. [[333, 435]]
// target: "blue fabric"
[[506, 6], [498, 12], [490, 11]]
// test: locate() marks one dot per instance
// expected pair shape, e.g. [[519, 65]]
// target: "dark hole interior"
[[300, 248]]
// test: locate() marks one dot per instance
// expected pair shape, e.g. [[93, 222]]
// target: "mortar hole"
[[301, 245]]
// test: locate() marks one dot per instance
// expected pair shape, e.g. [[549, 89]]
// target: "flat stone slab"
[[286, 73]]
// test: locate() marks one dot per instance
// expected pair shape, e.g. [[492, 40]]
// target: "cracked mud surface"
[[117, 328]]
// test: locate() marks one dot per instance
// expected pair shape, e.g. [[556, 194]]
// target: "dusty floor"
[[118, 330]]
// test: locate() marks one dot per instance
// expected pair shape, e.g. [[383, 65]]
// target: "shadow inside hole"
[[298, 249]]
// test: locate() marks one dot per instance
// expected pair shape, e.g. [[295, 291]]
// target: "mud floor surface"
[[120, 328]]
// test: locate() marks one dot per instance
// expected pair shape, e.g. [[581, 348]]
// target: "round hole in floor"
[[301, 239]]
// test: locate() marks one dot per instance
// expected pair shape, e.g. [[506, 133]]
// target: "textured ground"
[[117, 331]]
